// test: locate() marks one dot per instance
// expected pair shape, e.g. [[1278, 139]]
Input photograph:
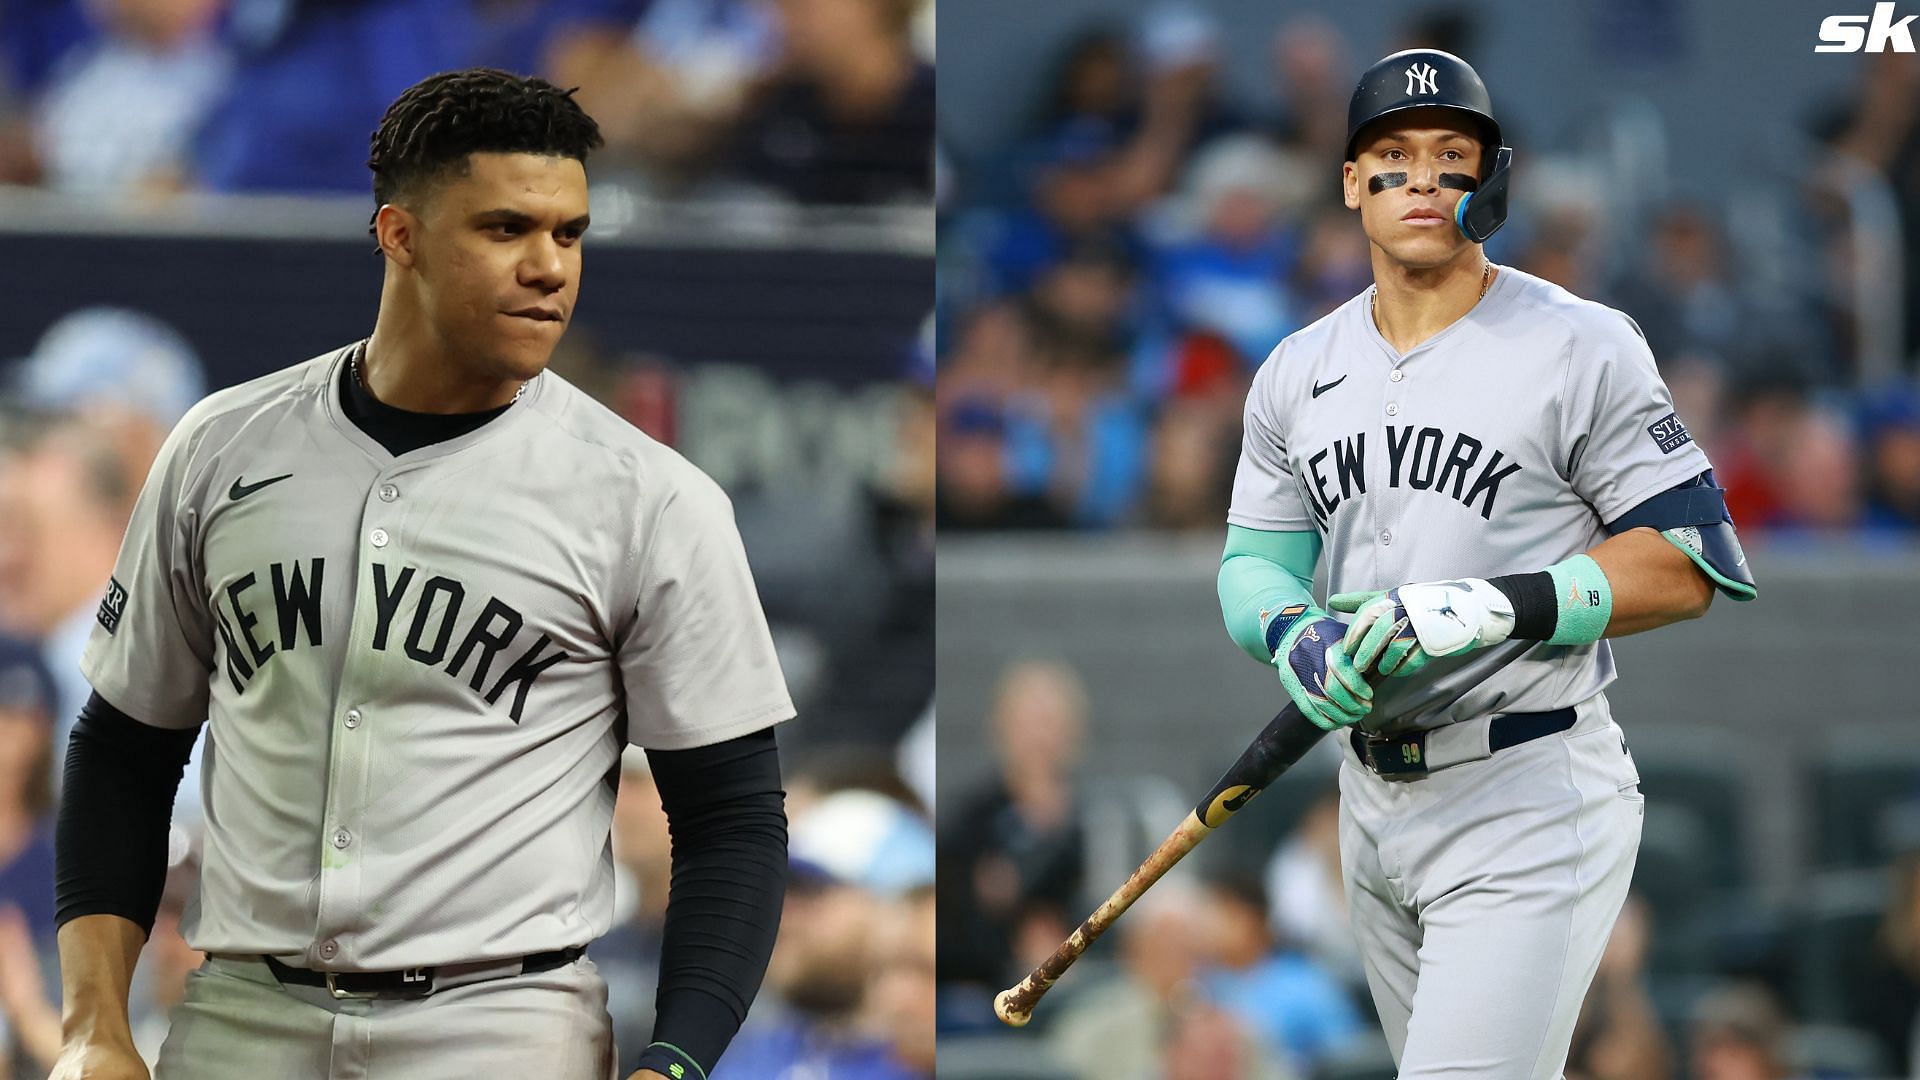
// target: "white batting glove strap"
[[1455, 616]]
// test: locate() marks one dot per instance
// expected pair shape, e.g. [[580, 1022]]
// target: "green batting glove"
[[1317, 673], [1381, 637], [1350, 602]]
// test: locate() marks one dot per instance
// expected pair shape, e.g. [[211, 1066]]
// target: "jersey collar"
[[331, 388], [1474, 314]]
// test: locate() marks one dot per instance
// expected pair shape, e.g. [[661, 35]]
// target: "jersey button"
[[388, 492], [1386, 536], [329, 949], [342, 838], [1392, 409], [1397, 375], [352, 719], [379, 538]]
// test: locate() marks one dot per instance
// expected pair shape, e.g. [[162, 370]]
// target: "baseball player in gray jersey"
[[1496, 476], [422, 592]]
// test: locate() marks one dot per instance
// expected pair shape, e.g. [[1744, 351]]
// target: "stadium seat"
[[1675, 869], [1674, 997], [997, 1057], [1834, 1052], [1364, 1059], [1834, 937], [1706, 792], [1864, 795]]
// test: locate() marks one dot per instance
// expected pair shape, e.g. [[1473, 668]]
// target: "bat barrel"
[[1285, 739]]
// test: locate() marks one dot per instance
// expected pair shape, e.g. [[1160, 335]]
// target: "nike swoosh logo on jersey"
[[1318, 389], [241, 489]]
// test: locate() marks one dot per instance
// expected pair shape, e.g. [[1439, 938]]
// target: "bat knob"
[[1004, 1009]]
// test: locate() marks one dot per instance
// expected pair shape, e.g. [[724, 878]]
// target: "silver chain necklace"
[[360, 378]]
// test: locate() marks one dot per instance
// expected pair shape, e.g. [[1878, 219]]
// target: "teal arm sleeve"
[[1262, 571]]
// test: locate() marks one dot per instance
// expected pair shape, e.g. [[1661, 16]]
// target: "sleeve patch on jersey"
[[112, 605], [1669, 434]]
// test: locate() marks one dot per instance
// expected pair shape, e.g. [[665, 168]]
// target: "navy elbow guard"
[[1693, 517]]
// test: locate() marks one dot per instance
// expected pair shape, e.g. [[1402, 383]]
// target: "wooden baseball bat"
[[1287, 737]]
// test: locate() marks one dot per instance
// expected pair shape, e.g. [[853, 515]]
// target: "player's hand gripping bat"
[[1281, 743]]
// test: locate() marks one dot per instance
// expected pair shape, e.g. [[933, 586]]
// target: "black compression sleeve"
[[727, 814], [110, 838]]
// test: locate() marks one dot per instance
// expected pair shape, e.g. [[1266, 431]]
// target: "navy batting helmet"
[[1429, 78]]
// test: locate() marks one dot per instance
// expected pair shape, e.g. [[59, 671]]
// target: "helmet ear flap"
[[1481, 213]]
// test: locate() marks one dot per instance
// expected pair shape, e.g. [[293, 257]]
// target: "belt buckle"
[[415, 982], [343, 995], [1409, 759]]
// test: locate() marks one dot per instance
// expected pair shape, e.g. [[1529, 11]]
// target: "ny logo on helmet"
[[1422, 79]]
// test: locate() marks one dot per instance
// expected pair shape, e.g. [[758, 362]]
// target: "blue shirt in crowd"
[[791, 1050], [27, 883], [315, 76], [1291, 1003]]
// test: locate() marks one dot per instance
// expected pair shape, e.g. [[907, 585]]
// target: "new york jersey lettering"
[[1421, 459], [426, 621]]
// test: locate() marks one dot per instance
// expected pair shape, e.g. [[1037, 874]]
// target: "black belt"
[[410, 982], [1394, 755]]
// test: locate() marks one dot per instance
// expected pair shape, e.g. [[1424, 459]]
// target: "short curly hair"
[[429, 130]]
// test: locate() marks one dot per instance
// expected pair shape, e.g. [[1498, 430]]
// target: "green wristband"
[[1584, 601]]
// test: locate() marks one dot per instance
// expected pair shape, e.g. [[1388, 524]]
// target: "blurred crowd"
[[811, 101], [1214, 978], [1111, 277], [849, 992], [82, 415], [80, 421], [1240, 965]]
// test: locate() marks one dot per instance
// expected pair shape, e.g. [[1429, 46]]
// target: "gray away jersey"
[[418, 671], [1501, 445]]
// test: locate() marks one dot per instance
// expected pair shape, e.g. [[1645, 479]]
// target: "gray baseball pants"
[[1483, 894], [239, 1023]]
